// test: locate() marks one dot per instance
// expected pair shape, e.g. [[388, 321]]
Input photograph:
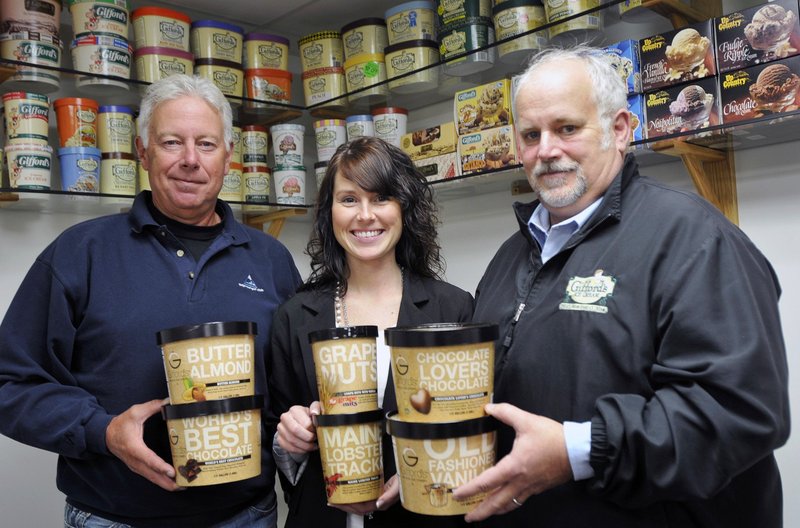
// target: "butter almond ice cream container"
[[442, 372]]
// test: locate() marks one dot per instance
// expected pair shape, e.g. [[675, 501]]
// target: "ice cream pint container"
[[255, 184], [157, 27], [287, 145], [100, 17], [76, 118], [468, 38], [254, 145], [411, 21], [290, 185], [228, 76], [266, 84], [350, 450], [32, 48], [80, 169], [320, 168], [29, 166], [42, 17], [442, 372], [212, 39], [118, 173], [456, 12], [678, 56], [102, 55], [115, 129], [231, 190], [760, 91], [412, 56], [358, 126], [513, 18], [433, 459], [364, 36], [153, 64], [390, 123], [214, 417], [346, 366], [329, 134], [26, 118], [682, 108], [322, 49], [756, 35], [262, 50], [576, 30], [324, 84]]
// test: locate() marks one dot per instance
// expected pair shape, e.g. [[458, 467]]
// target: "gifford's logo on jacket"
[[589, 294]]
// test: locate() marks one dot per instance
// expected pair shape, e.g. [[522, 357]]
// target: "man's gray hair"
[[176, 86]]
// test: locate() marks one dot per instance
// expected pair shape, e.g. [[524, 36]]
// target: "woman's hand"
[[296, 432]]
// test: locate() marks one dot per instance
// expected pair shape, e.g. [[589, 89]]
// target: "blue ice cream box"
[[636, 108], [624, 57]]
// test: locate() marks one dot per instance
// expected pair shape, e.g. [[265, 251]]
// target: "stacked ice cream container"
[[115, 135], [78, 155], [266, 70], [162, 41], [515, 17], [463, 28], [26, 150], [289, 173], [363, 43], [29, 33], [217, 48], [411, 34], [255, 172], [322, 61]]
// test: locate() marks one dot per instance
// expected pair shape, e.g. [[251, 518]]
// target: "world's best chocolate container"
[[442, 372]]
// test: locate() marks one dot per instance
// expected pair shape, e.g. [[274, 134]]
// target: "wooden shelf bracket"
[[275, 219]]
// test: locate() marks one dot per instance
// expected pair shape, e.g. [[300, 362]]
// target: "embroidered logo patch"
[[250, 284], [589, 294]]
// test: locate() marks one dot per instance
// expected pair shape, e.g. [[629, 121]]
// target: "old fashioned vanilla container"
[[408, 66], [100, 17], [329, 134], [290, 185], [210, 376], [118, 173], [513, 18], [26, 118], [29, 166], [411, 21], [390, 123], [42, 17], [575, 30], [153, 64], [231, 190], [157, 27], [324, 87], [228, 76], [32, 48], [262, 50], [351, 455], [254, 145], [463, 46], [442, 372], [255, 184], [433, 459], [263, 85], [287, 145], [364, 36], [115, 131], [346, 366], [80, 169], [322, 49], [358, 126], [212, 39], [101, 55], [76, 120]]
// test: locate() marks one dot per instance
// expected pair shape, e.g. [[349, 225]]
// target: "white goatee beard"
[[556, 192]]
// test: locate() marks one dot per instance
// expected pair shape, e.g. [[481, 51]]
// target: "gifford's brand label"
[[216, 43], [347, 374], [28, 168], [321, 50], [351, 462], [100, 18], [26, 117], [417, 23]]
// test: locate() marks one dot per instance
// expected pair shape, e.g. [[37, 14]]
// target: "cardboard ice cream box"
[[761, 90], [482, 107], [756, 35], [678, 56], [636, 109], [624, 57], [441, 167], [488, 149], [683, 108], [429, 142]]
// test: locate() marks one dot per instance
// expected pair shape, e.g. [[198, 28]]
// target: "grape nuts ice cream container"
[[26, 117], [29, 166], [212, 39], [411, 21], [365, 71], [156, 27], [214, 417], [100, 17], [442, 372]]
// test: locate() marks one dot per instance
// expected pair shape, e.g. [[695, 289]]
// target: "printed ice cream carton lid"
[[196, 331], [343, 333], [217, 25], [441, 334]]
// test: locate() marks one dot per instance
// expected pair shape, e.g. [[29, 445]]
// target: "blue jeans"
[[255, 516]]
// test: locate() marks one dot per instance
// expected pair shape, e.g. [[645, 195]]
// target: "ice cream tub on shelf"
[[322, 49], [763, 90], [26, 118], [76, 119], [212, 39], [687, 107], [364, 36], [756, 35], [365, 71], [456, 12], [324, 87], [390, 123], [29, 166], [42, 17], [678, 56], [515, 17], [118, 173], [287, 145], [231, 190], [153, 64], [262, 50], [157, 27], [255, 184], [227, 76], [328, 135], [265, 85], [290, 185], [255, 145], [461, 46], [624, 58], [414, 56], [36, 49], [80, 169], [115, 131], [100, 17], [358, 126], [411, 21], [102, 55], [575, 30]]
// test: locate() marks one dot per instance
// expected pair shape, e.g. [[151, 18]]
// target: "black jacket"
[[292, 381]]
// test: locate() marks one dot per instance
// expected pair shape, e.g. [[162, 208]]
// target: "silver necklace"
[[340, 307]]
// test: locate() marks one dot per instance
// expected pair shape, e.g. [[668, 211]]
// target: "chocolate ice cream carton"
[[624, 57], [761, 90], [687, 107], [756, 35], [678, 56]]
